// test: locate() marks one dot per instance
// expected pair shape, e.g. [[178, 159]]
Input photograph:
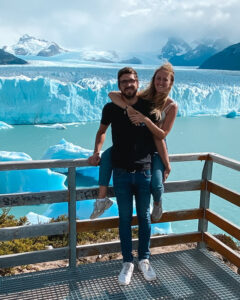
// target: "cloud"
[[122, 25], [138, 12]]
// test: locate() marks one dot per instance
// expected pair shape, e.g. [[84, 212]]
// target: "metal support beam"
[[205, 199], [72, 216]]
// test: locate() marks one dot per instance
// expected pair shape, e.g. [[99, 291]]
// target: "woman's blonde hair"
[[150, 93]]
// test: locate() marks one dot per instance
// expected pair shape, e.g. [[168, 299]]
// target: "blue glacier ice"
[[28, 180], [4, 125], [34, 218], [232, 114], [67, 150], [50, 95], [53, 126]]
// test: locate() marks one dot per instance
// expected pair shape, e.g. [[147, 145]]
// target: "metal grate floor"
[[190, 274]]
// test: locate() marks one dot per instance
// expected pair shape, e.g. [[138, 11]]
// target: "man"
[[131, 159]]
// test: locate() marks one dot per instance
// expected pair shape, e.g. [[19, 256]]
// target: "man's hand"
[[94, 160]]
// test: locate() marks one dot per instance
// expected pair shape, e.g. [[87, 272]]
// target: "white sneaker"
[[125, 275], [157, 212], [147, 270], [100, 206]]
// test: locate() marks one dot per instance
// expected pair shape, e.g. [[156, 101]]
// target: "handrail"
[[82, 162], [203, 214]]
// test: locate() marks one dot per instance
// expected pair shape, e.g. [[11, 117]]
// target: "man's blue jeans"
[[158, 168], [127, 184]]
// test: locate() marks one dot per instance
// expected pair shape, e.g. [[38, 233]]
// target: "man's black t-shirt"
[[132, 145]]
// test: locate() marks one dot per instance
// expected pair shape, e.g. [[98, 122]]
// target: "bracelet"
[[125, 109]]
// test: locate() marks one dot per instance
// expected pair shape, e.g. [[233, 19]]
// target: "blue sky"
[[129, 25]]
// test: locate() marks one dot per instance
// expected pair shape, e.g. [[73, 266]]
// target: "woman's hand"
[[166, 173], [135, 116]]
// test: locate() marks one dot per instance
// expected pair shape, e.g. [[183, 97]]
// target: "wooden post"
[[205, 200], [72, 216]]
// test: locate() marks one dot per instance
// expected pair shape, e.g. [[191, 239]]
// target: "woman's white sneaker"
[[147, 270], [100, 206], [125, 275], [157, 211]]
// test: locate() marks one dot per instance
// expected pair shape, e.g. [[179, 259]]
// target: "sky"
[[127, 25]]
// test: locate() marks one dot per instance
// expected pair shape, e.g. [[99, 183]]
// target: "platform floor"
[[190, 274]]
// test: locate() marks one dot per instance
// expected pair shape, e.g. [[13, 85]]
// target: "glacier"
[[80, 97], [67, 150], [4, 125], [21, 181]]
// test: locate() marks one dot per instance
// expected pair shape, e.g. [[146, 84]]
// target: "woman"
[[165, 110]]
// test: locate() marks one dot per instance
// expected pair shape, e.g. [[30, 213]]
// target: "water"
[[210, 94]]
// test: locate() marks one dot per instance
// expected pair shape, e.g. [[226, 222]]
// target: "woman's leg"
[[157, 177], [157, 186], [105, 172]]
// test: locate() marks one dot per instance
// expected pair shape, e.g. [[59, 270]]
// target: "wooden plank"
[[92, 193], [42, 164], [66, 163], [156, 241], [224, 224], [19, 232], [188, 157], [112, 222], [13, 260], [183, 186], [221, 248], [221, 191], [174, 239], [225, 161], [21, 199]]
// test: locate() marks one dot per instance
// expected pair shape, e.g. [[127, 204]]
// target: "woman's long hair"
[[150, 93]]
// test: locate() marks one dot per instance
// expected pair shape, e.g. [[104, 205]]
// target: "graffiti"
[[21, 200]]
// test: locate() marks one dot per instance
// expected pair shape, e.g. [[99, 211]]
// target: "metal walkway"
[[191, 274]]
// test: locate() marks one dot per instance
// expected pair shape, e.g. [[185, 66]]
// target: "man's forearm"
[[100, 138]]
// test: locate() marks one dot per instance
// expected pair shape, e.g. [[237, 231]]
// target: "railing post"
[[205, 199], [72, 216]]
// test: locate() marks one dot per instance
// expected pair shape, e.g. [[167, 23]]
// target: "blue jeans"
[[126, 185], [158, 168]]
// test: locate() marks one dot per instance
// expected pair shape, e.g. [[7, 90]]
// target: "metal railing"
[[205, 185]]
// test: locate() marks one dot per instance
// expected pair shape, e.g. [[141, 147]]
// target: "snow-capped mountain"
[[179, 53], [174, 47], [29, 45]]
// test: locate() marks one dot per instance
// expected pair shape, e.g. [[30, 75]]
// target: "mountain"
[[29, 45], [228, 59], [193, 57], [9, 59], [174, 47], [179, 53]]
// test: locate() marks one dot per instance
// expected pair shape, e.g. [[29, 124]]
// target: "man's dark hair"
[[126, 70]]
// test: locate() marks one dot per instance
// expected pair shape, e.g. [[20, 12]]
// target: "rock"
[[9, 59]]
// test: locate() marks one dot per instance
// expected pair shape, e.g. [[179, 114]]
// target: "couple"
[[140, 123]]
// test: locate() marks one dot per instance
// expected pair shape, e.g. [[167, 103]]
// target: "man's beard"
[[130, 95]]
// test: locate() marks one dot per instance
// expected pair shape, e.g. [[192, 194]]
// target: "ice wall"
[[38, 100], [28, 180]]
